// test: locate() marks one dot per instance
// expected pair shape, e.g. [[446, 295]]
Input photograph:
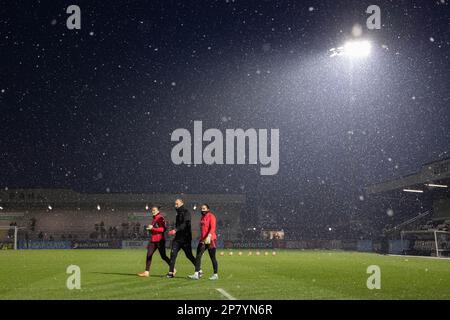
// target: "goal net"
[[8, 237], [426, 243]]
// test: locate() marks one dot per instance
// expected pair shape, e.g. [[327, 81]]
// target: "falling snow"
[[93, 110]]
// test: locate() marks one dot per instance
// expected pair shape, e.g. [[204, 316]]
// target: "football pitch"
[[290, 274]]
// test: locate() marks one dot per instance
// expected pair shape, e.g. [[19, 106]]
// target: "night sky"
[[93, 109]]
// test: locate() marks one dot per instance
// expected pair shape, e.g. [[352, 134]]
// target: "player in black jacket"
[[183, 236]]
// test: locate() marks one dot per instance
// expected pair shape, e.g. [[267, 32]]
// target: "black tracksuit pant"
[[178, 245], [151, 248], [201, 248]]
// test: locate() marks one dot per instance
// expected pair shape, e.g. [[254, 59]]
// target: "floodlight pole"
[[352, 136]]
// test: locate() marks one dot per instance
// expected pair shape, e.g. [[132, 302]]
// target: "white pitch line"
[[424, 257], [226, 294]]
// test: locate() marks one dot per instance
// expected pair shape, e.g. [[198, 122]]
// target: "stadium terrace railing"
[[409, 221]]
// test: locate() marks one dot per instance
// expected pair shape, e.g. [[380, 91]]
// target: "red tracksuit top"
[[208, 226], [159, 226]]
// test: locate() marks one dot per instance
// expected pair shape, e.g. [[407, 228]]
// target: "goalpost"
[[8, 237], [426, 243]]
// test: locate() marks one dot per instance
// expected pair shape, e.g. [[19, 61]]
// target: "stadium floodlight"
[[433, 185], [353, 49], [413, 190], [357, 49]]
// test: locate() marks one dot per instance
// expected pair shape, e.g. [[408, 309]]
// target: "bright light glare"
[[413, 190], [353, 49], [433, 185], [357, 49]]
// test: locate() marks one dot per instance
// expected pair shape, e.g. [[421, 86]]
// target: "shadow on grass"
[[129, 274]]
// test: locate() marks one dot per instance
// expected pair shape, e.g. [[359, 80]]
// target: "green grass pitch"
[[291, 274]]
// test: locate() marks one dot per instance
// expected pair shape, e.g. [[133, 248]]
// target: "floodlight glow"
[[436, 185], [413, 190], [353, 49], [357, 49]]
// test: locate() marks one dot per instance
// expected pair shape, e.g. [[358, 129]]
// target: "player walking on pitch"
[[207, 241], [157, 240], [183, 236]]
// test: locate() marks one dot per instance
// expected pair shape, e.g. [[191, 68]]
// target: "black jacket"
[[183, 225]]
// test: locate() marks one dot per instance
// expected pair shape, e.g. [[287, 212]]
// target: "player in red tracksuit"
[[207, 241], [157, 240]]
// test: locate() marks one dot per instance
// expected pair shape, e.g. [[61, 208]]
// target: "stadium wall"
[[394, 246], [63, 212]]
